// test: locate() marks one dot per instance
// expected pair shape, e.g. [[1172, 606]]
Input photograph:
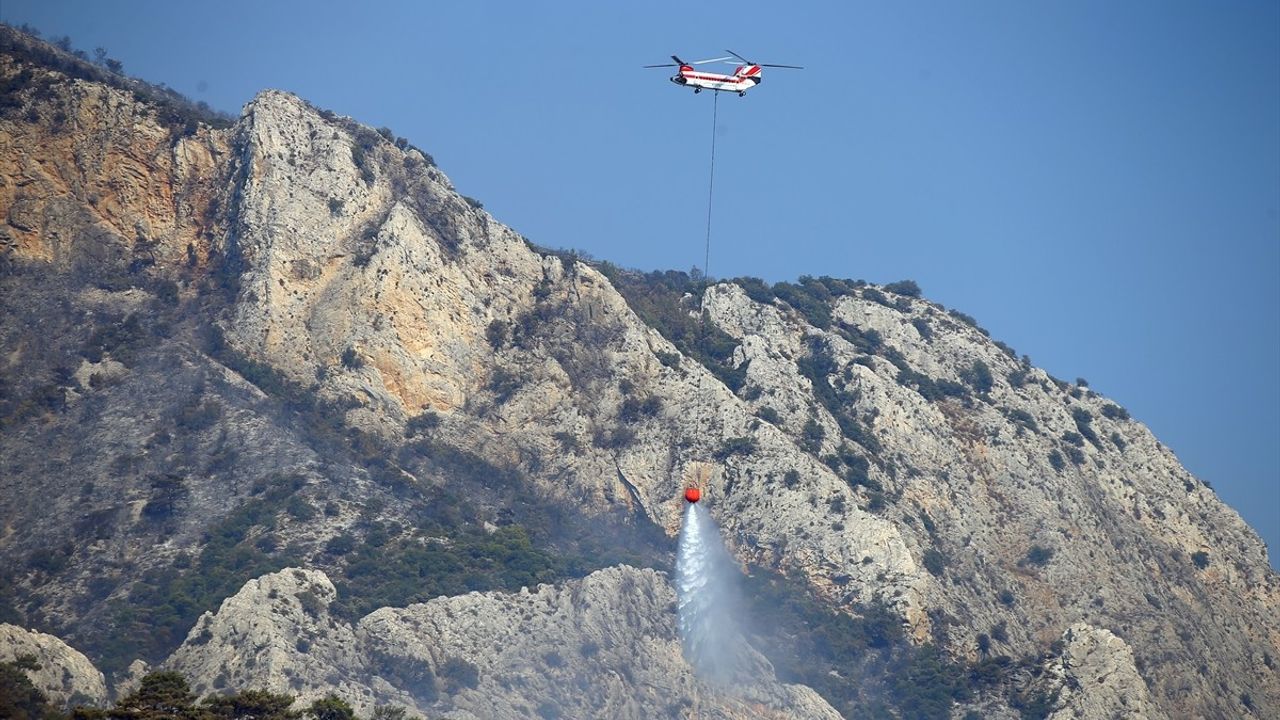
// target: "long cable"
[[706, 257], [711, 188]]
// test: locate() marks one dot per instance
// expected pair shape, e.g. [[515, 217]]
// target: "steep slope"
[[291, 340], [597, 647], [63, 674]]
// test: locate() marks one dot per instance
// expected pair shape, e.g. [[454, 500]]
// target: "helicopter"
[[744, 77]]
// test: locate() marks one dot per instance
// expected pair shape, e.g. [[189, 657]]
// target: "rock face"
[[877, 447], [1099, 679], [66, 677], [603, 646], [275, 633]]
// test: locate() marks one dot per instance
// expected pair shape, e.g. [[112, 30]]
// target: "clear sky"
[[1097, 182]]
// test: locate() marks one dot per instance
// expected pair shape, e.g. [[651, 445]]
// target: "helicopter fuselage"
[[742, 80]]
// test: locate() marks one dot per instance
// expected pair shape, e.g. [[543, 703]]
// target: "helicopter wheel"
[[741, 94], [697, 90]]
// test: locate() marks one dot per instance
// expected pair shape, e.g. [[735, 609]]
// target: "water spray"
[[708, 600]]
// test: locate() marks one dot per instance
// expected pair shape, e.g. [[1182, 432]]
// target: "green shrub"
[[756, 289], [1056, 460], [840, 288], [1038, 555], [904, 287], [978, 376], [857, 471], [929, 388], [250, 705], [769, 415], [340, 544], [424, 422], [967, 320], [876, 296], [1076, 455], [876, 502], [813, 435], [1022, 418], [1112, 411], [459, 673], [735, 446], [497, 333], [299, 509], [311, 603], [613, 439], [504, 384], [934, 561], [330, 707], [1200, 558], [669, 359], [634, 409], [1034, 705], [1083, 419], [803, 298]]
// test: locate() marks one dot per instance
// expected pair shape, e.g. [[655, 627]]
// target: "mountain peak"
[[287, 342]]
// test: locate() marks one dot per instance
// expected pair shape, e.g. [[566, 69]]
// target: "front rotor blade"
[[704, 62], [665, 65], [739, 57]]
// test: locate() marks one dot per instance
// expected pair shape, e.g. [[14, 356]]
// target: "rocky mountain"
[[286, 341]]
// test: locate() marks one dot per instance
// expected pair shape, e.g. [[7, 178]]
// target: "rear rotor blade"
[[739, 57], [793, 67]]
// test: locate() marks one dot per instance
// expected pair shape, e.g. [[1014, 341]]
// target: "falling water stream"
[[708, 600]]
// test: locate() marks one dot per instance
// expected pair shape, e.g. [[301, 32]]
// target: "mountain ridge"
[[849, 434]]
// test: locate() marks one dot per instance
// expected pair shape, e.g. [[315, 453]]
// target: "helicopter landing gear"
[[697, 90], [742, 93]]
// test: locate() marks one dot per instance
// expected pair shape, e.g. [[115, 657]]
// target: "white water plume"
[[709, 601]]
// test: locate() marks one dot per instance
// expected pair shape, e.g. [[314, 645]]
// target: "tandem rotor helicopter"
[[744, 77]]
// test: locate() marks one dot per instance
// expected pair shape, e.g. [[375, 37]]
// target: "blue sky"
[[1098, 183]]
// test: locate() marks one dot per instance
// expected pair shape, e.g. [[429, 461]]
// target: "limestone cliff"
[[229, 301], [602, 646], [64, 675]]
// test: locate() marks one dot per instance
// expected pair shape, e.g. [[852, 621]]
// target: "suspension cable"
[[706, 257], [711, 187]]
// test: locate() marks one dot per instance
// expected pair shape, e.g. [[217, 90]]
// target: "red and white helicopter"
[[744, 77]]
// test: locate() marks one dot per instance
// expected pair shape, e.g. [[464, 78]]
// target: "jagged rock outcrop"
[[603, 646], [276, 633], [880, 448], [1099, 679], [65, 676]]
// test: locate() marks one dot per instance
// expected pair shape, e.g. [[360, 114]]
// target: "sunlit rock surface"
[[65, 676], [865, 453]]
